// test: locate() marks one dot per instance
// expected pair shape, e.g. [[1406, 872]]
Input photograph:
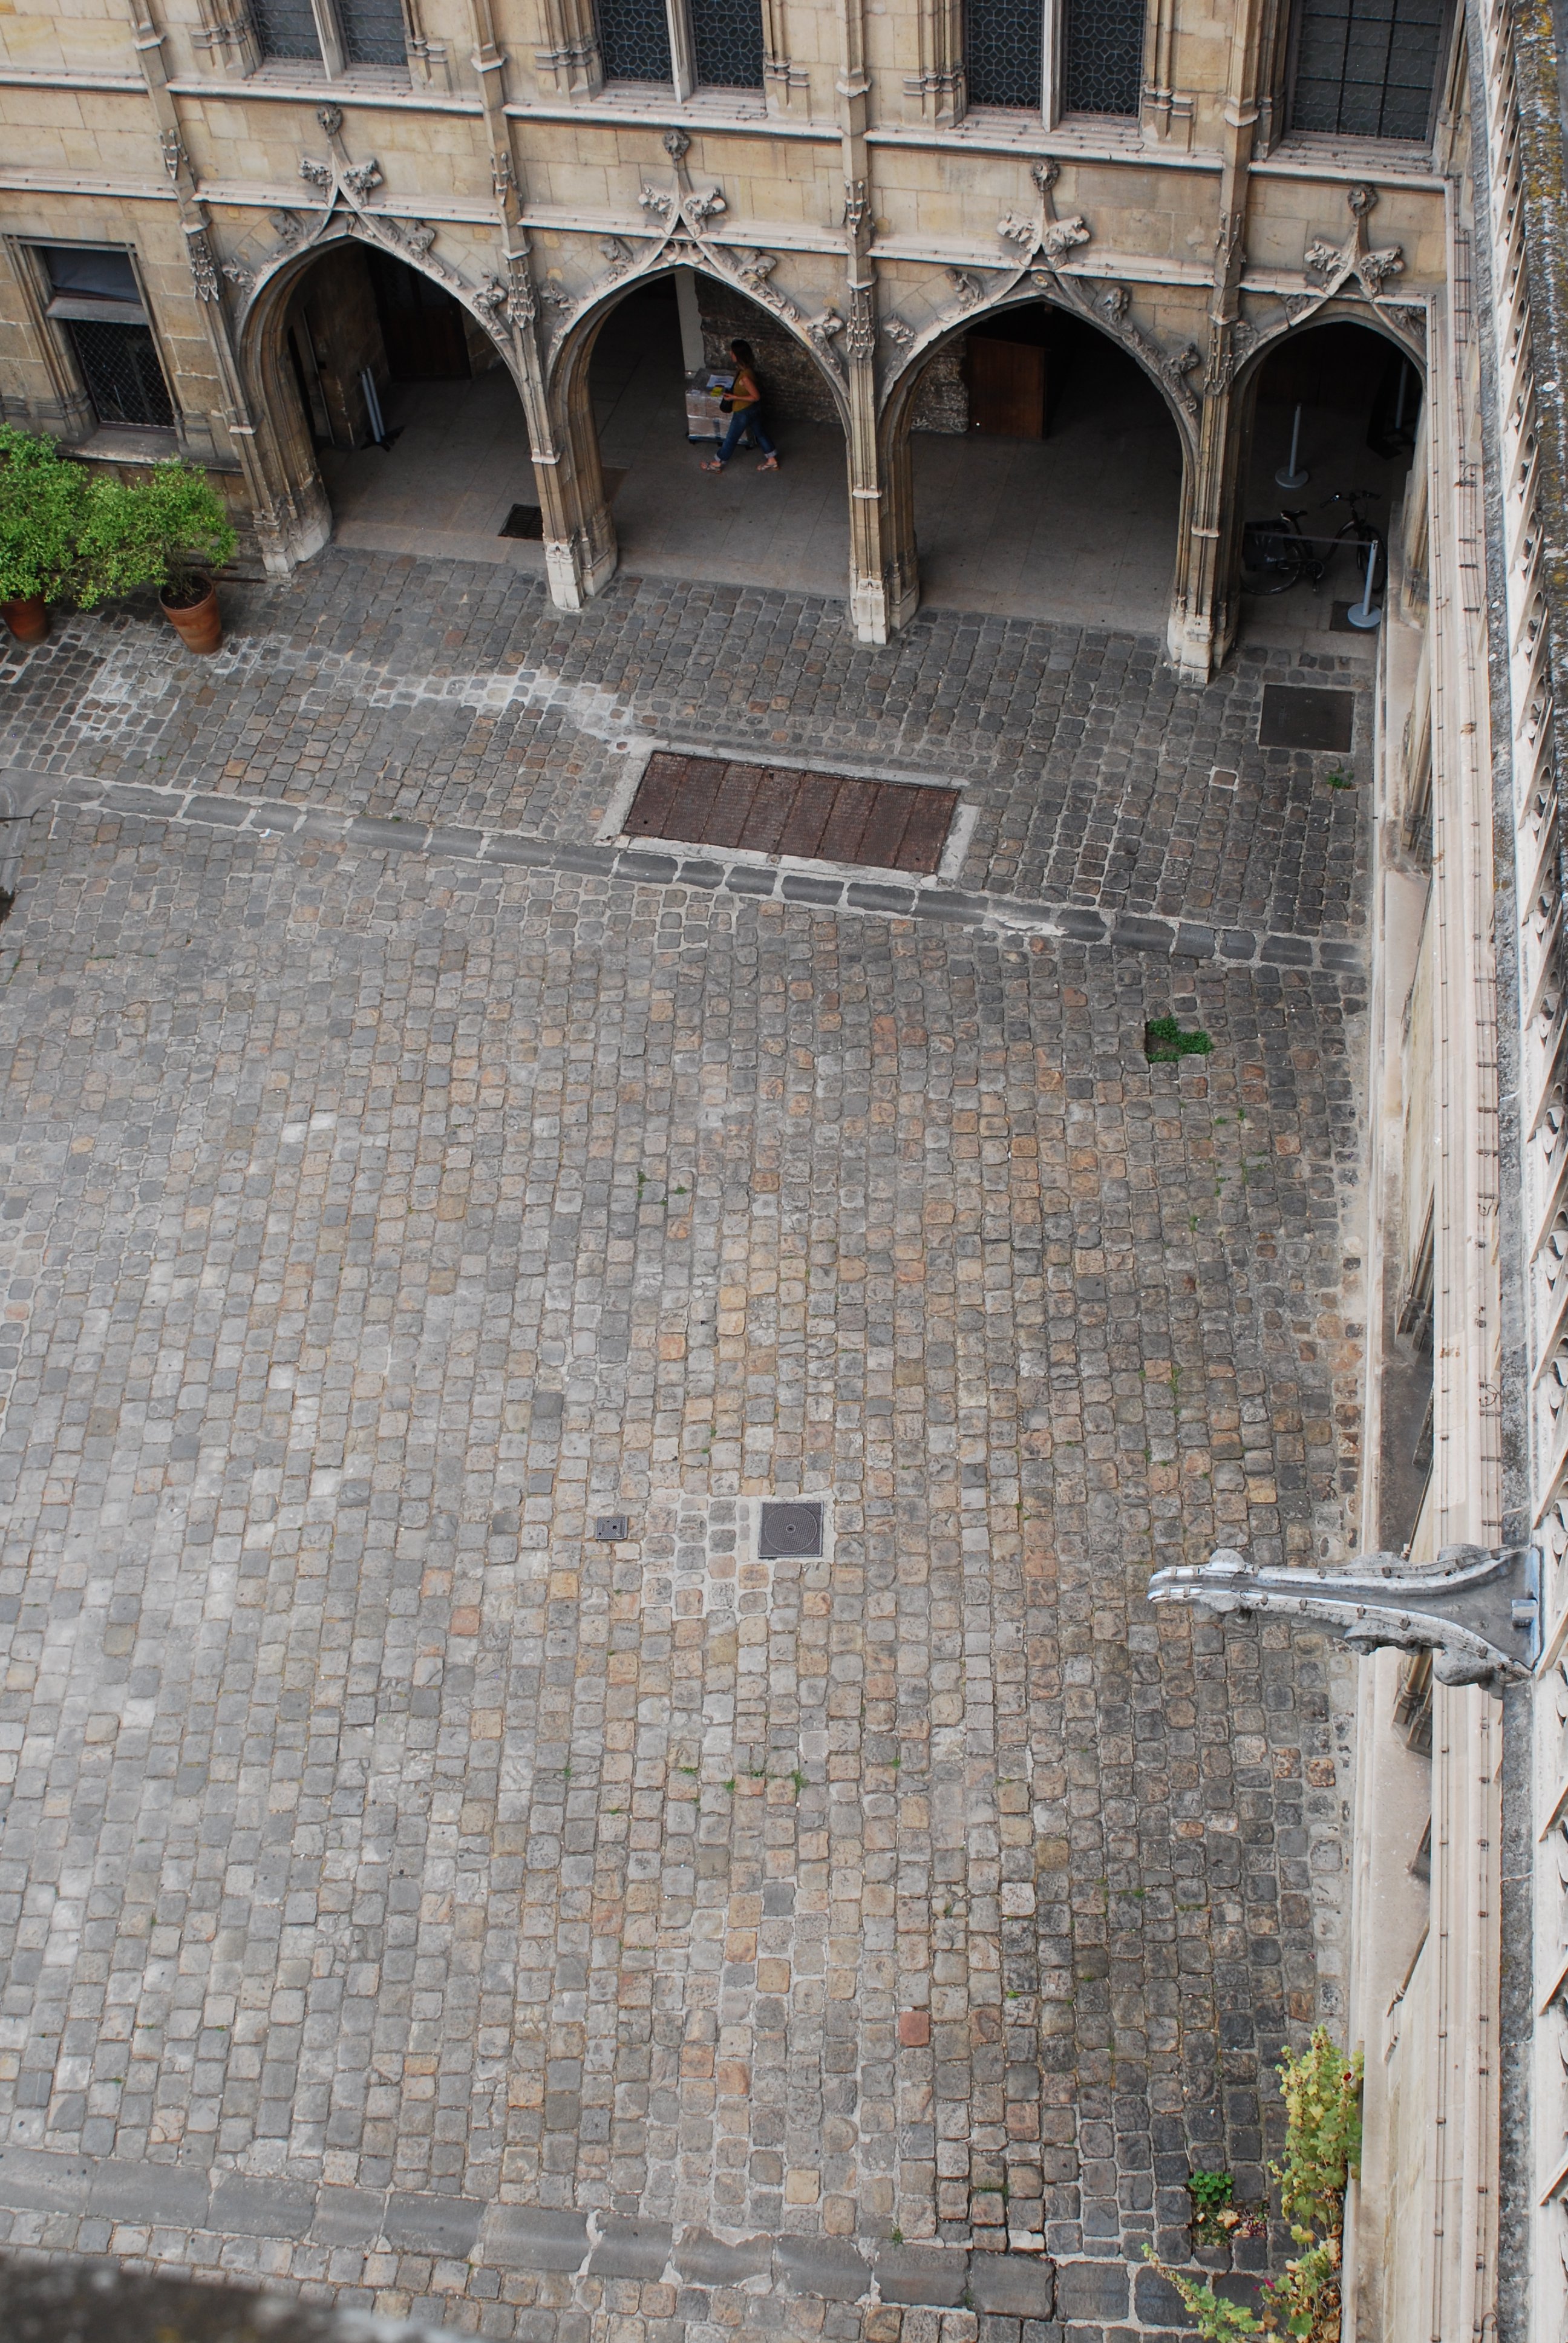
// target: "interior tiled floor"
[[1079, 527], [458, 463]]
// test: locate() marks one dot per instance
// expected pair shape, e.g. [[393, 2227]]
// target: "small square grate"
[[774, 810], [611, 1529], [790, 1531], [1303, 716]]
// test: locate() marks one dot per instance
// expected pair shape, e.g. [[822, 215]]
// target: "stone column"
[[877, 604], [580, 551], [271, 511], [1204, 601]]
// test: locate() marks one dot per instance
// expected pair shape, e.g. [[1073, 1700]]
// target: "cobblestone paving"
[[392, 1862], [453, 692]]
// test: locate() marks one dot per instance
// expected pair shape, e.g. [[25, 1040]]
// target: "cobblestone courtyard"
[[403, 1891]]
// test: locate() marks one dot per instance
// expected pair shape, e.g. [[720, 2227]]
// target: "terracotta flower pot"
[[198, 625], [28, 620]]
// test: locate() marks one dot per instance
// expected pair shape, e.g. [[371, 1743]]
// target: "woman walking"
[[745, 407]]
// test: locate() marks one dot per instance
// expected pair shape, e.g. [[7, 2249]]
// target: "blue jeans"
[[746, 419]]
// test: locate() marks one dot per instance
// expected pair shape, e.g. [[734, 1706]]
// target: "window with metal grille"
[[634, 40], [96, 302], [372, 32], [287, 28], [727, 43], [1102, 56], [1003, 41], [120, 368], [1366, 68]]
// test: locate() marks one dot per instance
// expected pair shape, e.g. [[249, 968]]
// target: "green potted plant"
[[43, 496], [166, 530]]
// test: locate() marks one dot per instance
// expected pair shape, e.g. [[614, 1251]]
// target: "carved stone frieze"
[[971, 292], [242, 278], [1336, 265], [860, 335], [204, 269], [899, 334], [1113, 306]]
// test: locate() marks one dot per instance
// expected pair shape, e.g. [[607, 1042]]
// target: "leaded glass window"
[[1366, 68], [1003, 44], [727, 43], [287, 28], [372, 32], [634, 40], [1102, 59]]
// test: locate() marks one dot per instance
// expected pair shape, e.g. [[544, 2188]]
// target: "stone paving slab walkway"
[[390, 1861]]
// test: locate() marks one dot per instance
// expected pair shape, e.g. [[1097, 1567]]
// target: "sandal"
[[713, 468], [768, 464]]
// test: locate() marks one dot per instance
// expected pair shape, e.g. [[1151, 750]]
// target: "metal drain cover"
[[790, 1530], [1297, 716]]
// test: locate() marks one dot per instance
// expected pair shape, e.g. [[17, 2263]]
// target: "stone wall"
[[794, 385], [791, 379], [942, 395], [336, 308]]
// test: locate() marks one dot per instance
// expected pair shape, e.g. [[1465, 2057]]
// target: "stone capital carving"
[[1476, 1609]]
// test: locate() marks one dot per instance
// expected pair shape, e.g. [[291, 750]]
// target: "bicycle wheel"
[[1272, 560]]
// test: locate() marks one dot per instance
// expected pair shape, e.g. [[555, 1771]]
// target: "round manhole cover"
[[790, 1530]]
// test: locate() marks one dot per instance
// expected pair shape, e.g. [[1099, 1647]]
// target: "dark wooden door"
[[421, 325], [1006, 389]]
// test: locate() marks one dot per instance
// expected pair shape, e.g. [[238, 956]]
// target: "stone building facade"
[[198, 194], [859, 197]]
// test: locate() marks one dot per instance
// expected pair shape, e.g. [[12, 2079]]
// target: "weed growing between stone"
[[1322, 2092], [1164, 1043]]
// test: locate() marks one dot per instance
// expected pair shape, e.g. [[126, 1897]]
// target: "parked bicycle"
[[1278, 554], [1360, 533]]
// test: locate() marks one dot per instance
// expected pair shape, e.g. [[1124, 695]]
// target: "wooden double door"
[[1007, 385]]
